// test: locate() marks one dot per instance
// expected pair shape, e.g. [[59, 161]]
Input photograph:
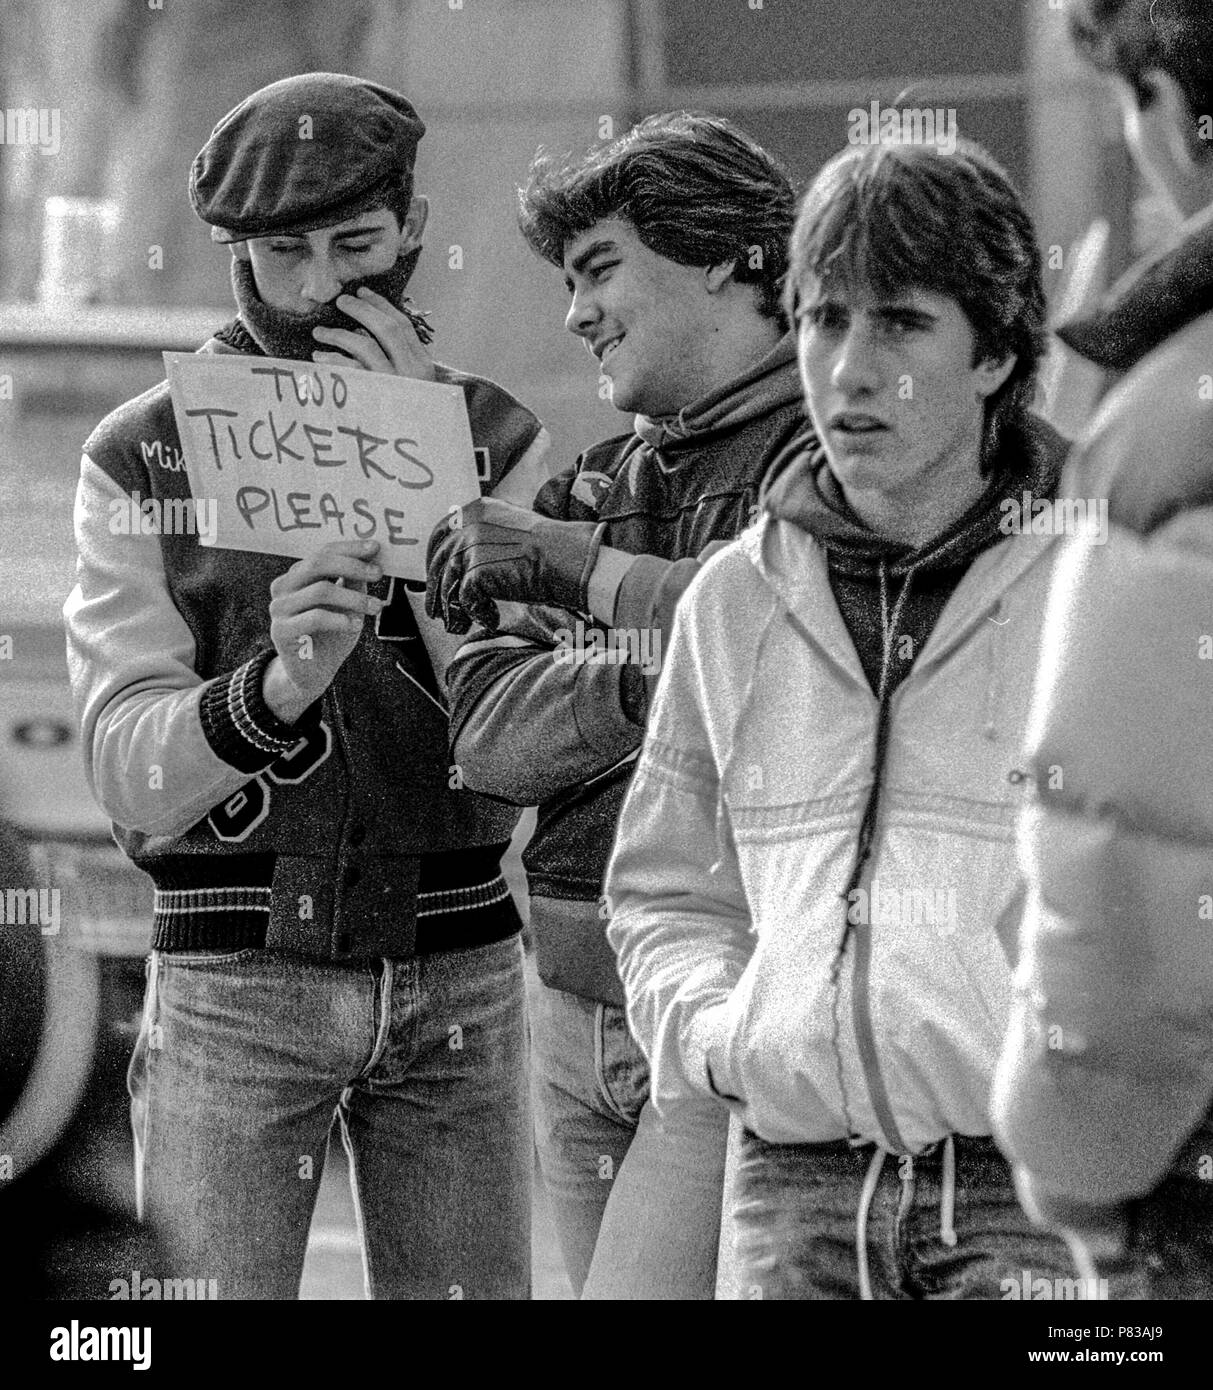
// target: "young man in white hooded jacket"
[[819, 841]]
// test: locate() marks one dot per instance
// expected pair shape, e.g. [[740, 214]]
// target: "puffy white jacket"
[[1106, 1083], [740, 829]]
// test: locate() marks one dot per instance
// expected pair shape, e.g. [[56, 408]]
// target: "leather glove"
[[493, 550]]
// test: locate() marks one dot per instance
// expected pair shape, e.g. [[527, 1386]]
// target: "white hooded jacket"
[[727, 884]]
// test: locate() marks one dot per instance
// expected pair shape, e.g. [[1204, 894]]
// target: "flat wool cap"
[[303, 153]]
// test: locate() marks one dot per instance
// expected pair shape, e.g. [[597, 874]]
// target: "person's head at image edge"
[[672, 241], [1160, 56]]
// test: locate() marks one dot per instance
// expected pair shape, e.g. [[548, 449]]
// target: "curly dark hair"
[[888, 217], [697, 189]]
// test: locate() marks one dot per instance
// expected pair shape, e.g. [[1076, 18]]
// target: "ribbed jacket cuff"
[[239, 726], [639, 587], [587, 569], [602, 588]]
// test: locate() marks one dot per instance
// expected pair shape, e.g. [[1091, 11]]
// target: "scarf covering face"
[[279, 333], [771, 383]]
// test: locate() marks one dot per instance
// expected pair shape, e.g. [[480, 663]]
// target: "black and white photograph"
[[606, 670]]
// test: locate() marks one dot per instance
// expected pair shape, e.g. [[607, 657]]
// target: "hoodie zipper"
[[861, 962], [861, 965]]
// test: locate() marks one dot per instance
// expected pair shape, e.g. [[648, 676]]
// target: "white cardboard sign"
[[297, 454]]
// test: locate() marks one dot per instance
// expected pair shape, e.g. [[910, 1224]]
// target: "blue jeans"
[[800, 1211], [636, 1198], [242, 1060]]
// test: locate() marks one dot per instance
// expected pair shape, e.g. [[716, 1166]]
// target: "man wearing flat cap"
[[332, 932]]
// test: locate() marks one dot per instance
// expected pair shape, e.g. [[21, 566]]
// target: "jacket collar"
[[979, 595], [770, 384], [800, 488], [1152, 301], [795, 567]]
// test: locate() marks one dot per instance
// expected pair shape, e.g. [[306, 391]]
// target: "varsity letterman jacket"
[[343, 836]]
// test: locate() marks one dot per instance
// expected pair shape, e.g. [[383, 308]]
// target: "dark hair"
[[697, 190], [1129, 37], [888, 217], [399, 198]]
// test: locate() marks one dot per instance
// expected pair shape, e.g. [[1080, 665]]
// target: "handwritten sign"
[[296, 454]]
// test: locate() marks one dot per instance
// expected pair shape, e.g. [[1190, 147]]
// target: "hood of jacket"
[[801, 489]]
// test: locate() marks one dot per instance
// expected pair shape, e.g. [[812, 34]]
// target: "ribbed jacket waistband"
[[226, 902]]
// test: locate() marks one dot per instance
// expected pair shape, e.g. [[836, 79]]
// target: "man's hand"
[[388, 344], [316, 616], [492, 550]]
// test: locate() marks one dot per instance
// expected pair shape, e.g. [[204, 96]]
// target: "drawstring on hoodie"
[[867, 828], [871, 1178], [947, 1206], [867, 825], [888, 622], [947, 1197], [867, 834]]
